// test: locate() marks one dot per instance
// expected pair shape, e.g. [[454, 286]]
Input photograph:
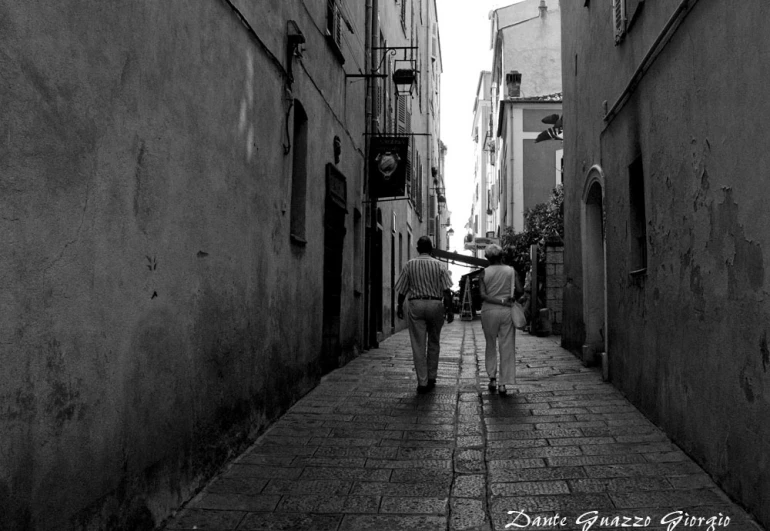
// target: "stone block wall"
[[554, 282]]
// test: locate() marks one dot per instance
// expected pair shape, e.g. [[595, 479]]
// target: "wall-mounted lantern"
[[295, 40], [404, 70], [404, 76]]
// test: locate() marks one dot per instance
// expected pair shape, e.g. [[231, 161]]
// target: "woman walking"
[[499, 285]]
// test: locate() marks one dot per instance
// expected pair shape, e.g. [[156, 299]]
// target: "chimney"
[[543, 8], [513, 83]]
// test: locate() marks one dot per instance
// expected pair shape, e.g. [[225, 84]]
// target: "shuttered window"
[[334, 24]]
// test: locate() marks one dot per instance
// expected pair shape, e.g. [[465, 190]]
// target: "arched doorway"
[[594, 266]]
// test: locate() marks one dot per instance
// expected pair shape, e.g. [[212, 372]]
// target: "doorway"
[[392, 284], [594, 266], [377, 268], [334, 239]]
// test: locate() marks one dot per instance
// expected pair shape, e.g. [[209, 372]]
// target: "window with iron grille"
[[619, 19], [299, 172]]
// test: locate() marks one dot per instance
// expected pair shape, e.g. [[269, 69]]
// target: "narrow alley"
[[363, 451]]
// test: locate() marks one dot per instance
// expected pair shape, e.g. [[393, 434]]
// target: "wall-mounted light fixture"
[[404, 77], [439, 190], [405, 70], [295, 40]]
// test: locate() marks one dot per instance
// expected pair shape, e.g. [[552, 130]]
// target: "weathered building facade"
[[526, 87], [408, 35], [666, 220], [183, 222], [484, 221]]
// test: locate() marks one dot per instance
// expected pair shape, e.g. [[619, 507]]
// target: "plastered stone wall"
[[554, 283], [687, 340], [154, 313]]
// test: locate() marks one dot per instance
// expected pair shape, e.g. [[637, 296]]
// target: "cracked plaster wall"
[[148, 326], [688, 342]]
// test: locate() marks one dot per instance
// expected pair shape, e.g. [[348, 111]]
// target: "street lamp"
[[405, 70], [449, 233], [439, 190], [404, 76]]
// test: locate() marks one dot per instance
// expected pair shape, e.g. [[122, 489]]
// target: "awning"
[[462, 258]]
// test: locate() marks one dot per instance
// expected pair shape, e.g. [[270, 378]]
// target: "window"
[[299, 175], [334, 27], [638, 218], [382, 95], [415, 175], [357, 255], [408, 246], [619, 19], [419, 70], [434, 42]]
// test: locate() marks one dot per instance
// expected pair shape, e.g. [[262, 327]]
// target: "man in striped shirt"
[[427, 284]]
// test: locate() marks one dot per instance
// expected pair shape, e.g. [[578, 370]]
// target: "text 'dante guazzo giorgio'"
[[594, 520]]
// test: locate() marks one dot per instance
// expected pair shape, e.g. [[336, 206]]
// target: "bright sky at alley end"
[[465, 50]]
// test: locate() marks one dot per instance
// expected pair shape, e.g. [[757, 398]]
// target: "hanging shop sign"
[[389, 156]]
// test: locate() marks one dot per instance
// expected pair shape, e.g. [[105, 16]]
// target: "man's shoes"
[[422, 389], [431, 383], [502, 390], [492, 384]]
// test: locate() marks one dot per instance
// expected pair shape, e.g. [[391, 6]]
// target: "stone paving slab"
[[362, 451]]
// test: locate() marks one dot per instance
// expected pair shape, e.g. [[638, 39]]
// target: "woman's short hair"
[[493, 251]]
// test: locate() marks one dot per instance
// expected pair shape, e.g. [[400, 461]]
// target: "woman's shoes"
[[502, 390], [492, 384]]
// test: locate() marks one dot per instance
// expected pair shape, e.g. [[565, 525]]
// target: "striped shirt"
[[424, 276]]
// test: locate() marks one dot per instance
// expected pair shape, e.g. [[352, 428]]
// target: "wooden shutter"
[[434, 42], [401, 112], [389, 126], [380, 105]]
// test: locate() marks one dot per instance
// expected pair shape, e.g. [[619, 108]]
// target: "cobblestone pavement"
[[363, 451]]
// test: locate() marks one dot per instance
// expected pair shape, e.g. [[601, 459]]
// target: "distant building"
[[484, 221], [525, 88], [512, 172], [666, 221]]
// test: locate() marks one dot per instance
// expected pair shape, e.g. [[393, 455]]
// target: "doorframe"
[[593, 347]]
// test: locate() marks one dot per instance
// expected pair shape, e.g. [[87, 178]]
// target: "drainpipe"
[[372, 38], [368, 234], [543, 9], [511, 169]]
